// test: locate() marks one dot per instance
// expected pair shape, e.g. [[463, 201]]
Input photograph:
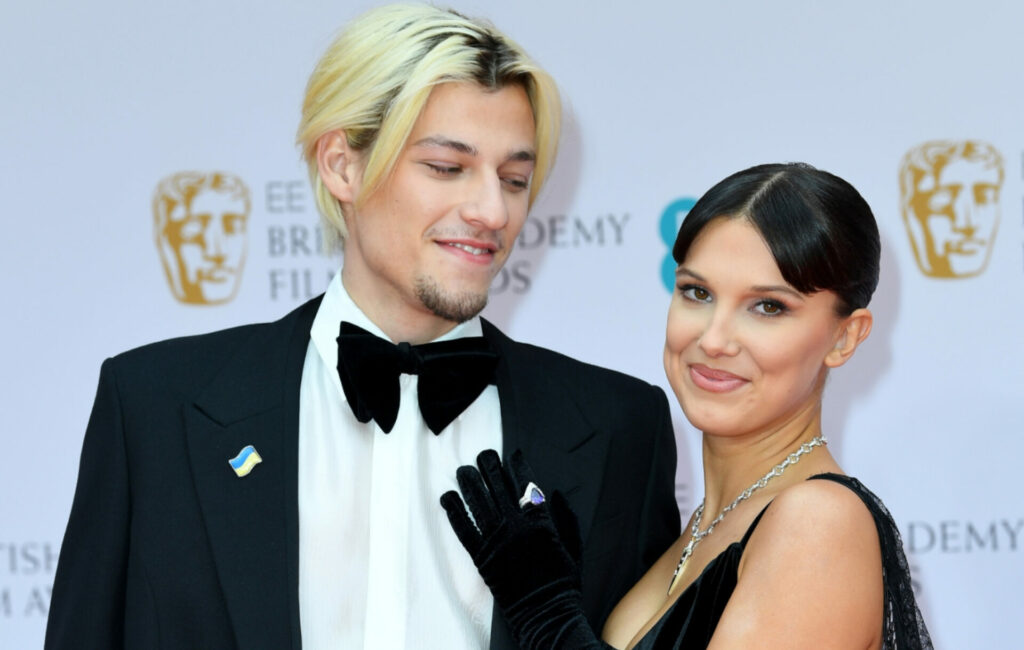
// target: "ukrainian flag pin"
[[245, 461]]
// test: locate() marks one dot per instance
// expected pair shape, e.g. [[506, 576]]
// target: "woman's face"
[[744, 351]]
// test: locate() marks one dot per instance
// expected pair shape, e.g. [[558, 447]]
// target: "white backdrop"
[[104, 99]]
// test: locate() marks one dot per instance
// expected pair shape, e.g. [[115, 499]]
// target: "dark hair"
[[818, 228]]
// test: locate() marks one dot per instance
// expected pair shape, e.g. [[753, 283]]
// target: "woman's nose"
[[718, 338]]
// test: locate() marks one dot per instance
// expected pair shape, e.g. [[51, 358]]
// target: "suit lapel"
[[540, 416], [252, 521]]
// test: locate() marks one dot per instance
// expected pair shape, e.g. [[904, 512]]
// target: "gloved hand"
[[528, 555]]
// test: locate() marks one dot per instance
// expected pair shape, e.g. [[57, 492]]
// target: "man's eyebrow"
[[523, 155], [447, 143]]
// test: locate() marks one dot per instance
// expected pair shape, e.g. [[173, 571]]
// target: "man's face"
[[957, 207], [425, 247], [208, 240]]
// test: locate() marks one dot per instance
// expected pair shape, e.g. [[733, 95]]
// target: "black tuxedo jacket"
[[167, 548]]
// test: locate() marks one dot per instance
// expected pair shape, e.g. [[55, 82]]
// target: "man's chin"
[[452, 305]]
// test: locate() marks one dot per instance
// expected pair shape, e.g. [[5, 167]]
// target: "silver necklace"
[[696, 534]]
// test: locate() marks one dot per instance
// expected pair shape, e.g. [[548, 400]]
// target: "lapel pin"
[[245, 461]]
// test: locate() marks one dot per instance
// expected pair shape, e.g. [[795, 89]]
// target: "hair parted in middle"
[[375, 78], [818, 227]]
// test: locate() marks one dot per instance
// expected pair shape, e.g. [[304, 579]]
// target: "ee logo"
[[671, 218]]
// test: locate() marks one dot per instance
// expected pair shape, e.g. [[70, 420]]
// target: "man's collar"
[[338, 306]]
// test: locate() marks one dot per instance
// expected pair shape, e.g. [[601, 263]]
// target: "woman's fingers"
[[475, 492], [461, 524]]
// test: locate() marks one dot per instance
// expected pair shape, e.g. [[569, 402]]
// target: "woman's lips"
[[715, 381]]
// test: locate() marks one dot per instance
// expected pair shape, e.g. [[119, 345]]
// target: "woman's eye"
[[695, 293], [770, 308]]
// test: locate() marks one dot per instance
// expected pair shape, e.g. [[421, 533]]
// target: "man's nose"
[[485, 205]]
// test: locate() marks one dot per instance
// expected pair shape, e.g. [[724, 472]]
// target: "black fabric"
[[529, 555], [569, 419], [452, 375], [521, 558], [902, 625], [167, 548], [691, 621]]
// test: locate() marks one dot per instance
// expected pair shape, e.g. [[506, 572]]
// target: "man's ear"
[[852, 331], [339, 167]]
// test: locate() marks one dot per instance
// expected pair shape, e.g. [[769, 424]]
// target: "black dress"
[[692, 619]]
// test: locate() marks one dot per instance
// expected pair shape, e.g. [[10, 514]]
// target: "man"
[[428, 136]]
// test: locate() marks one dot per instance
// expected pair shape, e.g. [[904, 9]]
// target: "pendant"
[[687, 552]]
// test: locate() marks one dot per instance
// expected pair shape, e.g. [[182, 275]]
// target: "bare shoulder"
[[811, 574], [816, 525], [822, 511]]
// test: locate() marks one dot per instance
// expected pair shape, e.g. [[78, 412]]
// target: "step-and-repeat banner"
[[114, 110]]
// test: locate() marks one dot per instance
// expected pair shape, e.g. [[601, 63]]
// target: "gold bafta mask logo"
[[949, 196], [200, 228]]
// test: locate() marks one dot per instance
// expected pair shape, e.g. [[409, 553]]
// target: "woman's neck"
[[733, 463]]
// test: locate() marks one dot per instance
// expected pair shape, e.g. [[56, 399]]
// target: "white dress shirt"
[[379, 566]]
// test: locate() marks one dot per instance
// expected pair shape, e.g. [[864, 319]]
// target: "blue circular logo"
[[671, 218]]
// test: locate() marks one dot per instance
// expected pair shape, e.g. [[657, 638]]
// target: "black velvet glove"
[[529, 556]]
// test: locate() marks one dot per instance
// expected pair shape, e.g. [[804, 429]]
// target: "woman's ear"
[[338, 165], [852, 331]]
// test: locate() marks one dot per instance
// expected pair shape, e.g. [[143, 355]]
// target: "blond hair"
[[374, 80]]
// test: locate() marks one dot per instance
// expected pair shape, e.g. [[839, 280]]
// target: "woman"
[[776, 266]]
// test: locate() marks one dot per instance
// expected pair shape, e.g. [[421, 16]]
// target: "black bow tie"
[[452, 375]]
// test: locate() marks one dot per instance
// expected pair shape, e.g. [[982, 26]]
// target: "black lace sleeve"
[[903, 627]]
